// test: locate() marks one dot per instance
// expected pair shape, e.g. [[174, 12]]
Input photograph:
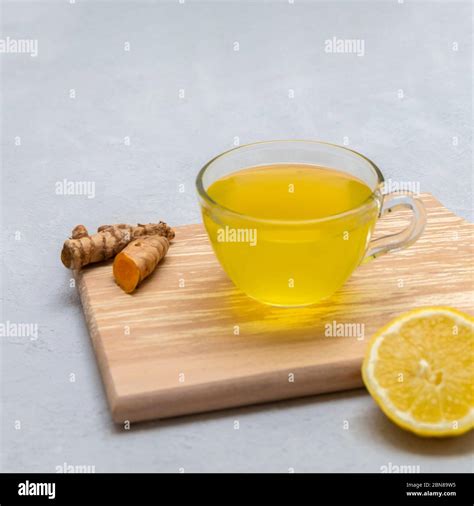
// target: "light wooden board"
[[171, 349]]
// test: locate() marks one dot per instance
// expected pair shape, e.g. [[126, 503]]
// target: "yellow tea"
[[274, 236]]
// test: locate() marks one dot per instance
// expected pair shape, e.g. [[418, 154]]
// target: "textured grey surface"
[[228, 94]]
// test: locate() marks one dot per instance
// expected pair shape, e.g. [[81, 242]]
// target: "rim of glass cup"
[[210, 201]]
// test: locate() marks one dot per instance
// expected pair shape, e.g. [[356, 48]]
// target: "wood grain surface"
[[188, 341]]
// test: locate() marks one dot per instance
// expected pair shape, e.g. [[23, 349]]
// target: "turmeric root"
[[138, 260], [82, 249], [79, 231]]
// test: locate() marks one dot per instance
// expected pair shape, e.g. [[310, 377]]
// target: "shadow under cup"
[[299, 262]]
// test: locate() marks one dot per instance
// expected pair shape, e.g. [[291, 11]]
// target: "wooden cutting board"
[[188, 341]]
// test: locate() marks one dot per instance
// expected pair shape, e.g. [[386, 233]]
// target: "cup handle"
[[404, 238]]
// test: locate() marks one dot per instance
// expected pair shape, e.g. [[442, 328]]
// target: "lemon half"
[[420, 370]]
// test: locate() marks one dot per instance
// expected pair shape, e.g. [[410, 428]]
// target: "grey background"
[[227, 94]]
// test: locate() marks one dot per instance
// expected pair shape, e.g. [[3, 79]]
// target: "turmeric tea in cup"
[[289, 221]]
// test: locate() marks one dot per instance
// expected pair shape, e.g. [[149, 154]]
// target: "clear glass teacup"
[[289, 260]]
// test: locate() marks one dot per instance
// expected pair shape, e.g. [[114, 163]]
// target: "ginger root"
[[83, 249], [138, 260]]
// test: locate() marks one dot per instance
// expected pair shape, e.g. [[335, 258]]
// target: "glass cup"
[[300, 262]]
